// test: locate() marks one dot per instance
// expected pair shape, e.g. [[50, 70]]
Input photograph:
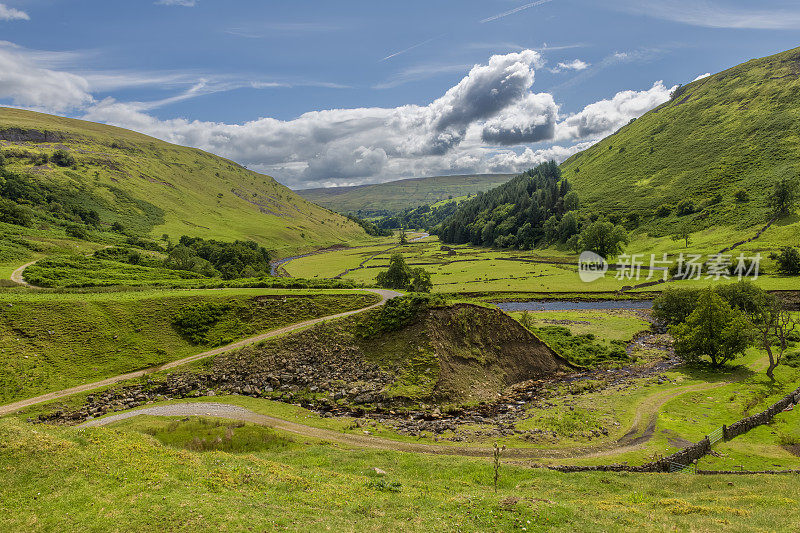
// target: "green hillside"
[[734, 131], [394, 196], [153, 187]]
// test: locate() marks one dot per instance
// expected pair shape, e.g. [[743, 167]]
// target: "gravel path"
[[14, 407], [648, 410], [17, 276]]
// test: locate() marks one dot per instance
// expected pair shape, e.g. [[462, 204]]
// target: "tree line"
[[720, 323], [531, 209]]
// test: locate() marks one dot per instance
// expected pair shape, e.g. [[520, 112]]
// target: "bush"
[[195, 321], [674, 305], [663, 211], [741, 196], [13, 213], [77, 232], [62, 158], [744, 296], [792, 359], [397, 313], [685, 207], [788, 260]]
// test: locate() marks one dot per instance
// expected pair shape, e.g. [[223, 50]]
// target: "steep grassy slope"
[[394, 196], [735, 130], [155, 187], [53, 341]]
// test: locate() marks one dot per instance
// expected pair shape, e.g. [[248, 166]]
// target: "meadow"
[[131, 477], [470, 269]]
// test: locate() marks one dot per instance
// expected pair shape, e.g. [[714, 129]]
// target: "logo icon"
[[591, 266]]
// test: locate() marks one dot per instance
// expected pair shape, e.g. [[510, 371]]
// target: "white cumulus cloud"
[[490, 121], [606, 116], [9, 13], [26, 84]]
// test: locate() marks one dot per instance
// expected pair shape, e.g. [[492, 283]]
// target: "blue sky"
[[403, 89]]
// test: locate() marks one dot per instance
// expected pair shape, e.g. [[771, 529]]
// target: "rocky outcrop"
[[20, 135]]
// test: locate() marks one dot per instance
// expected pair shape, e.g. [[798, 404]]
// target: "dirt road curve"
[[17, 277], [14, 407], [647, 410]]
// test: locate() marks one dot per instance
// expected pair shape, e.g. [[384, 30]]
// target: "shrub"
[[195, 321], [62, 158], [788, 260], [663, 211], [13, 213], [685, 207], [397, 313], [741, 196], [77, 232]]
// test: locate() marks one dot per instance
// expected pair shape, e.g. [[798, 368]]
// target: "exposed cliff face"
[[22, 135], [460, 353]]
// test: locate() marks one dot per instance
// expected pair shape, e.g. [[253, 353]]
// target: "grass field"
[[130, 477], [474, 269], [53, 341]]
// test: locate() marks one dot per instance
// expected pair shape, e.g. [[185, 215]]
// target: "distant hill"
[[154, 187], [738, 130], [389, 198]]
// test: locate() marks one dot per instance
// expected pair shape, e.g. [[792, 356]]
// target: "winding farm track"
[[385, 295], [648, 410], [17, 275]]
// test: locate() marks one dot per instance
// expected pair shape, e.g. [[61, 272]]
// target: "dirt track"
[[648, 410], [17, 276]]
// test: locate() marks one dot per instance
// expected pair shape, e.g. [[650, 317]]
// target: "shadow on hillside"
[[705, 372], [787, 220]]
